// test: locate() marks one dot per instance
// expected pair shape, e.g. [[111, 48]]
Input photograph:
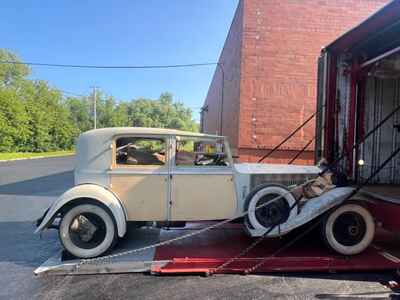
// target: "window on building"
[[200, 153], [140, 151]]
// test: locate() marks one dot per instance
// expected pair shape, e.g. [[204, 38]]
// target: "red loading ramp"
[[205, 252]]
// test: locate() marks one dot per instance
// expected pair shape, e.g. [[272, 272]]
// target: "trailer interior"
[[359, 101]]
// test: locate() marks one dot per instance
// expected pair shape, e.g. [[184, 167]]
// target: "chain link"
[[265, 259], [112, 256], [107, 258], [251, 246]]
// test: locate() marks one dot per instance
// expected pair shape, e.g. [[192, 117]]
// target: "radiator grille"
[[284, 179]]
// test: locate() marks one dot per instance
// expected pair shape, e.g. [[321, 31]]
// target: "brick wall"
[[279, 42], [230, 61]]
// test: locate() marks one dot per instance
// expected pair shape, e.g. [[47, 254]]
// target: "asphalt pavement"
[[28, 187]]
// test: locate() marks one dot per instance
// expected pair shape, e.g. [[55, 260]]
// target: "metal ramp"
[[138, 262], [203, 254]]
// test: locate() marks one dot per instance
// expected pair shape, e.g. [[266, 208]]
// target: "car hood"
[[255, 168]]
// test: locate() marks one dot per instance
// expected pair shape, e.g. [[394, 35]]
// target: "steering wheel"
[[121, 154], [210, 159]]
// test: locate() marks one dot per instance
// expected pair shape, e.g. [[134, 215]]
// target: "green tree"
[[51, 125], [80, 115], [14, 122], [11, 74], [37, 117], [163, 112], [120, 116]]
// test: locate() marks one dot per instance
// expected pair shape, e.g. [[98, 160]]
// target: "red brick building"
[[265, 86]]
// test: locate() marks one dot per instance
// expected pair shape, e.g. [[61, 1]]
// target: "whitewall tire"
[[88, 230], [349, 229], [267, 215]]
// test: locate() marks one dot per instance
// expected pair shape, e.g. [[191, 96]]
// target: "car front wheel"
[[88, 230], [349, 229]]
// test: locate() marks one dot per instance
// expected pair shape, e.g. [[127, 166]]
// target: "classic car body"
[[162, 175]]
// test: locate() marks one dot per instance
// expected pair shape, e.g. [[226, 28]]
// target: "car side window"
[[140, 151], [199, 153]]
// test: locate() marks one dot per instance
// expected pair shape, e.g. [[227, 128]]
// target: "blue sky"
[[126, 32]]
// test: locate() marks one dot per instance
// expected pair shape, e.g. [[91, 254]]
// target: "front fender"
[[90, 191]]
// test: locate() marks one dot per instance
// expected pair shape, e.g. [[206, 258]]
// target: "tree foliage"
[[35, 117], [11, 74]]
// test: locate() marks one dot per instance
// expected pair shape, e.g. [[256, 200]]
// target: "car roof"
[[112, 131], [93, 151]]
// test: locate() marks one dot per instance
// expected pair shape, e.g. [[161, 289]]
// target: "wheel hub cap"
[[274, 213], [87, 230], [349, 228]]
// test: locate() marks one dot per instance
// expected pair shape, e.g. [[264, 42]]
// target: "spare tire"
[[349, 229], [276, 212]]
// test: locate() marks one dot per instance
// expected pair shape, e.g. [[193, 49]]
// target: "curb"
[[35, 157]]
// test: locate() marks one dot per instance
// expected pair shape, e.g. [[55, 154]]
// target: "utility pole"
[[95, 106]]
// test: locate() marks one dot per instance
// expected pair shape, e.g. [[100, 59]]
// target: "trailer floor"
[[386, 192], [205, 252]]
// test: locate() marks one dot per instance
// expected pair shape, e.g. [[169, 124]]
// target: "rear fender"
[[87, 191]]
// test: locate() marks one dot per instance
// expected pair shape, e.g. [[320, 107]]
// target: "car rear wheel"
[[349, 229], [88, 230]]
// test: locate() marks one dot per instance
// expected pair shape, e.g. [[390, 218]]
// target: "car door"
[[139, 176], [200, 190]]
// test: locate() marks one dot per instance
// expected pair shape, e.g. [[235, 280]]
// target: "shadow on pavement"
[[19, 245], [49, 185]]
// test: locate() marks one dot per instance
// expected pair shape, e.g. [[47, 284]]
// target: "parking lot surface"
[[28, 187]]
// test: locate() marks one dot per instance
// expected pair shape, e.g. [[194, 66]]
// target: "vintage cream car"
[[167, 177]]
